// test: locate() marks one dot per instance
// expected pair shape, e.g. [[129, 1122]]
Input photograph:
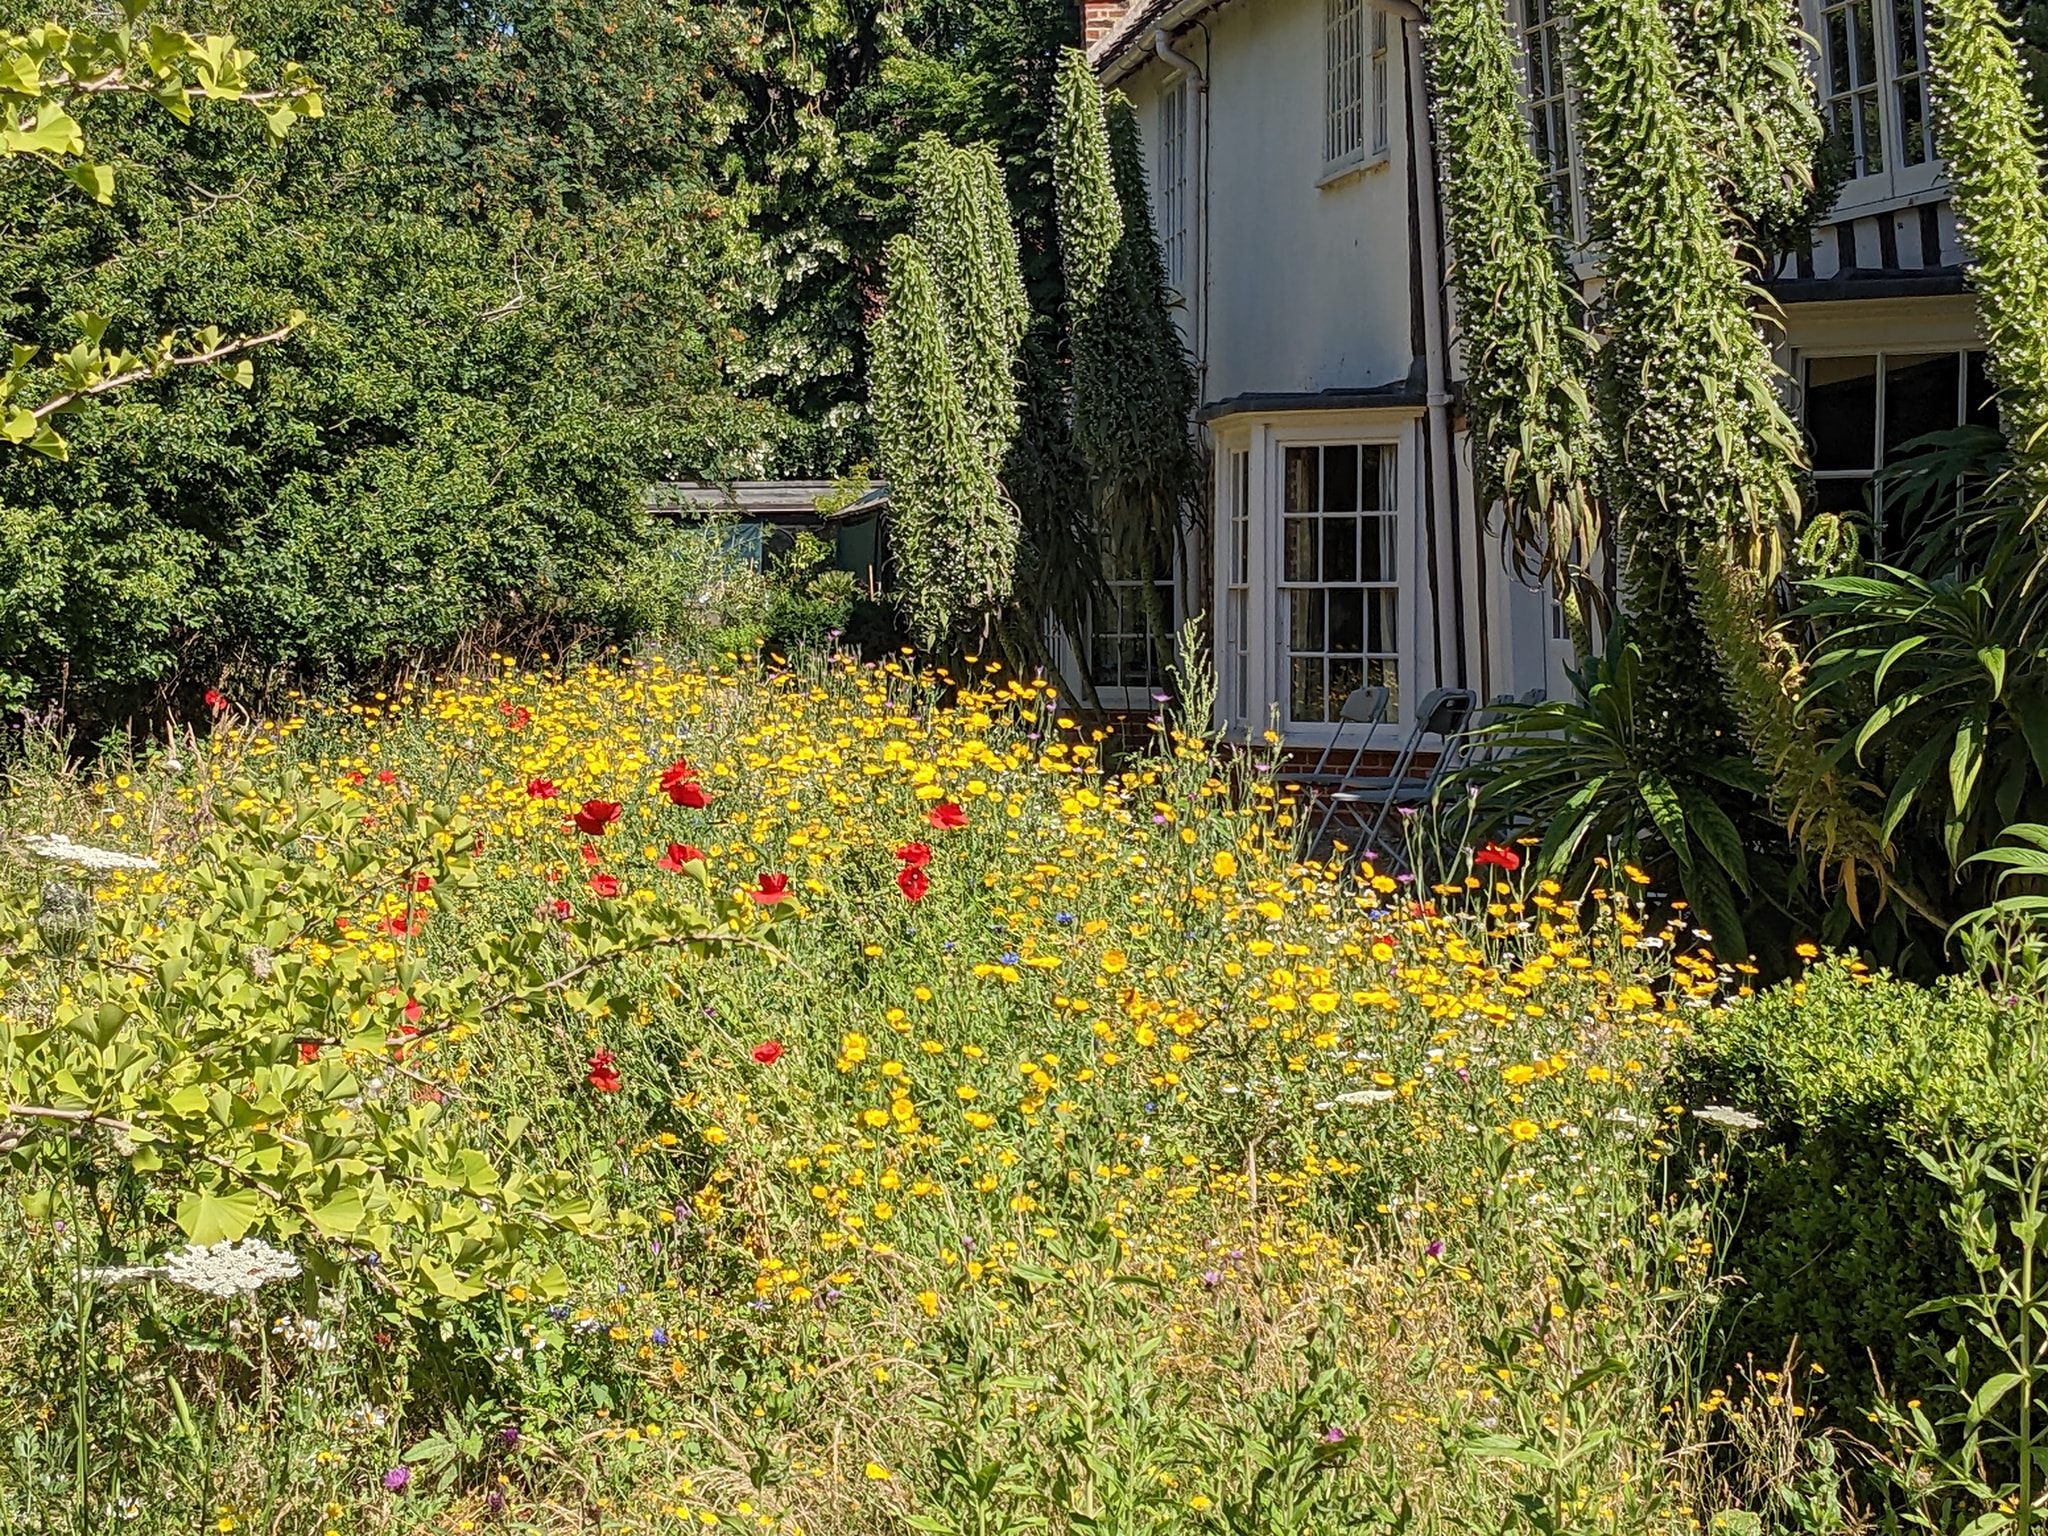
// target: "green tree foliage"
[[52, 71], [501, 350]]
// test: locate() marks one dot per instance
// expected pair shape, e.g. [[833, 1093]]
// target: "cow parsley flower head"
[[229, 1269], [59, 849], [1727, 1118]]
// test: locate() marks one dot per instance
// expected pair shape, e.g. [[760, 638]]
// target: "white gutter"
[[1163, 46]]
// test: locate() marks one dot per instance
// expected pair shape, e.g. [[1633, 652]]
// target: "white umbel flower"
[[1727, 1118], [230, 1269], [59, 849]]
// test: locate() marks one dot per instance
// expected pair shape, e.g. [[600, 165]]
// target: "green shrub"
[[1840, 1234]]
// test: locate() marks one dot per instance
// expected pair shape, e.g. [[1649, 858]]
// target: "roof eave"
[[1122, 51]]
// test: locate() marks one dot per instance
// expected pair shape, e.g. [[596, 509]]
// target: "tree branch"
[[228, 348]]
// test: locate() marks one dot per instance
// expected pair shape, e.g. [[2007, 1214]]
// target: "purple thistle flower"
[[397, 1478], [1333, 1434], [1434, 1249], [509, 1434]]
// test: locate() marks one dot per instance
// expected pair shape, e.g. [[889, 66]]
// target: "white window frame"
[[1170, 183], [1356, 89], [1895, 75], [1254, 661]]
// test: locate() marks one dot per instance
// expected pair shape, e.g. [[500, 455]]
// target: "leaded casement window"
[[1873, 86], [1237, 582], [1550, 123], [1344, 78], [1172, 184], [1339, 576], [1863, 409]]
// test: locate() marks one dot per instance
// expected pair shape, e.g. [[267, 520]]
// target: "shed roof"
[[768, 500]]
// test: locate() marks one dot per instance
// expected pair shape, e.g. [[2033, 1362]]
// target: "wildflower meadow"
[[850, 1099]]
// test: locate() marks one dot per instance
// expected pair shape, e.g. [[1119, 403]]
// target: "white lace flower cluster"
[[59, 849], [229, 1268]]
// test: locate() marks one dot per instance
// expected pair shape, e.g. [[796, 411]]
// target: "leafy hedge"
[[1839, 1232]]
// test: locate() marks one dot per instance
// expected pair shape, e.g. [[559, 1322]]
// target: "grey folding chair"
[[1445, 713], [1363, 708]]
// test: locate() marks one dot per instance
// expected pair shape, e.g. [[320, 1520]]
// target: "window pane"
[[1920, 396], [1841, 411], [1838, 53], [1376, 468], [1305, 620], [1347, 620], [1302, 491], [1866, 43], [1378, 537], [1340, 479], [1305, 695], [1347, 675], [1873, 137], [1912, 123], [1380, 628], [1981, 405], [1299, 562], [1851, 495], [1340, 549]]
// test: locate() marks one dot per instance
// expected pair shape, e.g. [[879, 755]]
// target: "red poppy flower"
[[691, 795], [916, 855], [413, 1011], [603, 1076], [678, 855], [422, 882], [541, 789], [912, 882], [677, 772], [1499, 857], [769, 889], [558, 909], [386, 776], [768, 1052], [353, 776], [604, 884], [588, 853], [595, 816], [308, 1050], [946, 814], [399, 926], [215, 699]]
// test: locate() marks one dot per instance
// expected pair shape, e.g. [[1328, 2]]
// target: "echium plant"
[[1991, 145], [952, 527], [1133, 387], [1535, 439], [942, 388], [1702, 480]]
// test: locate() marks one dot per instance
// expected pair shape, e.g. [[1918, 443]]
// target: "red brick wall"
[[1098, 16]]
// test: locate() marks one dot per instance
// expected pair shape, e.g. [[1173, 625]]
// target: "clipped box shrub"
[[1839, 1231]]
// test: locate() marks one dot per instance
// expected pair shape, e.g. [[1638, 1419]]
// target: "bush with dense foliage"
[[1843, 1230], [523, 279]]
